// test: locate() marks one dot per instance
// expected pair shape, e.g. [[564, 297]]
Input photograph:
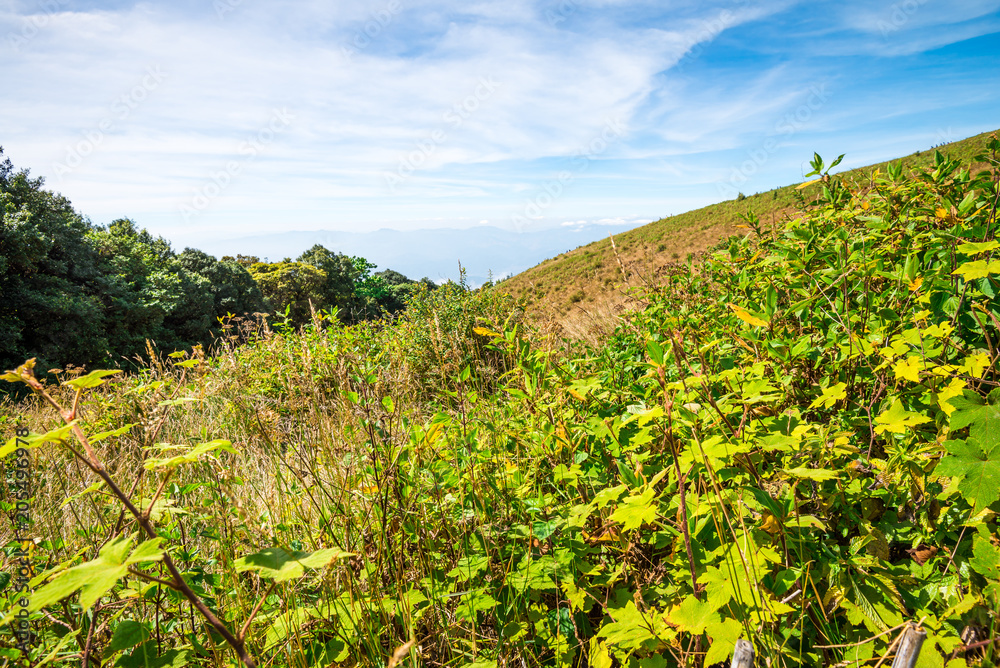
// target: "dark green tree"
[[46, 269]]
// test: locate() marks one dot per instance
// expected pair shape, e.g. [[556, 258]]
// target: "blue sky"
[[228, 118]]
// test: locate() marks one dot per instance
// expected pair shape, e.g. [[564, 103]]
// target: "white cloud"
[[362, 108]]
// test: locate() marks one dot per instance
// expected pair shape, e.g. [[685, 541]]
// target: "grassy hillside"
[[581, 291], [796, 442]]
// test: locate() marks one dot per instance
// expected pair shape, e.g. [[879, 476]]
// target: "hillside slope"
[[581, 292]]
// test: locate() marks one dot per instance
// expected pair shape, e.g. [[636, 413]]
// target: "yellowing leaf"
[[977, 248], [636, 510], [976, 364], [34, 440], [770, 523], [747, 317], [724, 636], [971, 271], [482, 331], [908, 369], [897, 419], [952, 390], [831, 395]]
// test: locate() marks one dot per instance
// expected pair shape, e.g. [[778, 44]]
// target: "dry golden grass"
[[582, 293]]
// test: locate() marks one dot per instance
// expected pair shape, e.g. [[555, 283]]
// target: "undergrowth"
[[797, 442]]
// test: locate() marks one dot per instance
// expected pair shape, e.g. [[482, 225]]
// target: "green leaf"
[[279, 564], [694, 616], [34, 440], [630, 628], [818, 475], [976, 467], [192, 455], [982, 418], [92, 379], [636, 510], [95, 578], [724, 635], [146, 656], [985, 558], [110, 434], [129, 633]]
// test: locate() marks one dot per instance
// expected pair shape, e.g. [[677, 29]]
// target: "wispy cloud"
[[368, 83]]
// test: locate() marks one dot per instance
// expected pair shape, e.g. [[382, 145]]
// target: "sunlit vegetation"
[[795, 441]]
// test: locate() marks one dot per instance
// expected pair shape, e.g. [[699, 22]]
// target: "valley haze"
[[485, 252]]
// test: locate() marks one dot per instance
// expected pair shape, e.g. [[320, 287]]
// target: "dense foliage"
[[796, 442], [72, 293]]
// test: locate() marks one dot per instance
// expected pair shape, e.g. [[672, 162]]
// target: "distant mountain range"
[[436, 253]]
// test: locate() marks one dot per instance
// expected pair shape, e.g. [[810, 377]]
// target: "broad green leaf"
[[95, 578], [630, 628], [147, 656], [192, 455], [469, 567], [127, 634], [92, 379], [34, 440], [724, 635], [97, 438], [812, 474], [976, 467], [897, 419], [693, 615], [279, 564], [636, 510], [982, 419], [985, 558]]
